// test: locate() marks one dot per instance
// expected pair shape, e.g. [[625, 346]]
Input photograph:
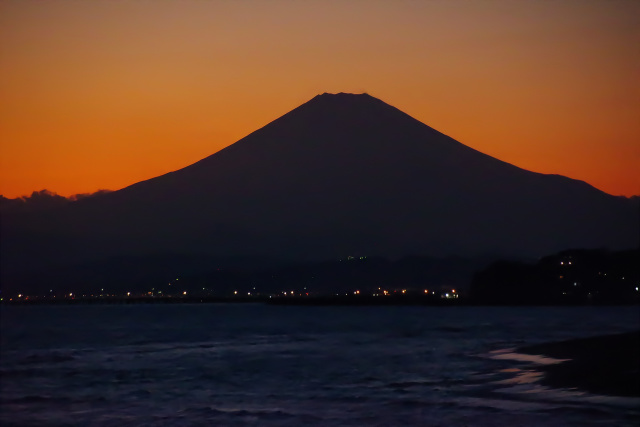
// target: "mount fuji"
[[340, 175]]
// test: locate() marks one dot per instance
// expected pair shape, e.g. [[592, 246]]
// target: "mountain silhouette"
[[340, 175]]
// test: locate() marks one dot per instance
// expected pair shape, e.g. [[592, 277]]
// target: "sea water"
[[261, 365]]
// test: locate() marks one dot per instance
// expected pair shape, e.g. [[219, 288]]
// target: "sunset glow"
[[103, 94]]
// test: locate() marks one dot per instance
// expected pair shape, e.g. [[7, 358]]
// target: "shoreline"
[[607, 365], [315, 300]]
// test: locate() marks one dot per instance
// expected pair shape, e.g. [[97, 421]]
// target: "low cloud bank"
[[42, 200]]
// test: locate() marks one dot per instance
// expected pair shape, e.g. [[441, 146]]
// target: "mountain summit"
[[341, 174]]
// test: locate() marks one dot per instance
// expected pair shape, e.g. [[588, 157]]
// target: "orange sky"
[[102, 94]]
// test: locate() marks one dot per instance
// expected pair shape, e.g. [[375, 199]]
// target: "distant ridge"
[[341, 174]]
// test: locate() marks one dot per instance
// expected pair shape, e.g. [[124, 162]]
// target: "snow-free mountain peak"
[[338, 175]]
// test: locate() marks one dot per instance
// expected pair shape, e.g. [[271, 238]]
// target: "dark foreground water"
[[258, 365]]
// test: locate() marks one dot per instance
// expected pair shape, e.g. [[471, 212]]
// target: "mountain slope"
[[341, 174]]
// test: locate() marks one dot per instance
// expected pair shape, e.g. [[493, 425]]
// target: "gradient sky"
[[103, 94]]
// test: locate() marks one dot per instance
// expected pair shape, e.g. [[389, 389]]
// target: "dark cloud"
[[79, 196], [41, 200]]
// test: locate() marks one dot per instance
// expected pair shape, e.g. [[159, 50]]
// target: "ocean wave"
[[46, 357]]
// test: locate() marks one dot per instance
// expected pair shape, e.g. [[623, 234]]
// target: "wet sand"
[[608, 365]]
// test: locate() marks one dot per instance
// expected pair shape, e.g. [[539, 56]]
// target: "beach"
[[608, 364]]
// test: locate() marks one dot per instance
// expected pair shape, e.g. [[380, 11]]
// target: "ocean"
[[262, 365]]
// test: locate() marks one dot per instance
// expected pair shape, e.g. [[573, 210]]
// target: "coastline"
[[607, 365]]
